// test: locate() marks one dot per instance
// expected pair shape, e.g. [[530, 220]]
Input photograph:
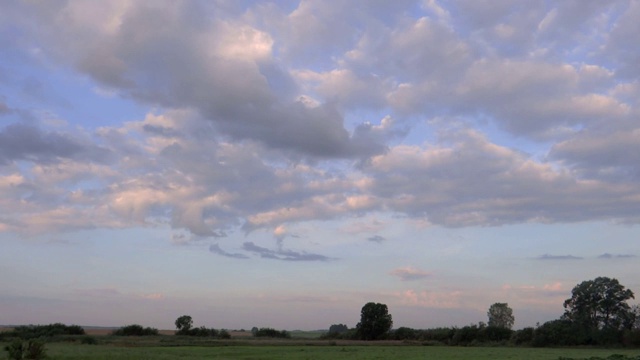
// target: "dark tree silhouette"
[[599, 304], [375, 321]]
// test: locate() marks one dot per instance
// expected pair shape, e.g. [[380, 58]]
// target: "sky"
[[280, 164]]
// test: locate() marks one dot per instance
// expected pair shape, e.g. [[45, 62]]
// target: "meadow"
[[307, 350]]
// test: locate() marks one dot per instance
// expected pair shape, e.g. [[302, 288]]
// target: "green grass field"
[[273, 351]]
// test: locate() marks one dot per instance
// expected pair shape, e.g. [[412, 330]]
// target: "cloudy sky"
[[282, 163]]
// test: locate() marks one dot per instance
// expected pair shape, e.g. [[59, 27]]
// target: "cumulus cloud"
[[26, 142], [223, 69], [473, 181], [610, 155], [252, 125]]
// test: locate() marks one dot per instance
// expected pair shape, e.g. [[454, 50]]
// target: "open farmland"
[[160, 348]]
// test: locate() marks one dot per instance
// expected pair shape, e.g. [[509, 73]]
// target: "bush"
[[26, 332], [561, 333], [523, 336], [35, 350], [205, 332], [497, 333], [467, 335], [631, 338], [338, 328], [404, 333], [32, 349], [15, 350], [272, 333], [202, 331], [89, 340], [441, 335], [135, 330]]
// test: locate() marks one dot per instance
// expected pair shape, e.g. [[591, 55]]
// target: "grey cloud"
[[617, 50], [317, 131], [613, 155], [243, 98], [25, 142], [475, 182], [616, 256], [210, 184], [314, 31], [376, 239], [161, 130], [282, 254], [215, 248], [558, 257]]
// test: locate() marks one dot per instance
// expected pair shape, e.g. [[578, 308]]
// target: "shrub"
[[15, 350], [523, 336], [560, 333], [35, 350], [224, 334], [497, 333], [631, 338], [272, 333], [405, 333], [441, 335], [466, 335], [338, 328], [135, 330], [37, 331], [89, 340], [202, 331], [32, 349]]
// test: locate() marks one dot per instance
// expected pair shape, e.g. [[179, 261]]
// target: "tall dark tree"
[[184, 324], [599, 304], [501, 315], [375, 321]]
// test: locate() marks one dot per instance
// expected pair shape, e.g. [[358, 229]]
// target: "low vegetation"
[[26, 332], [30, 349], [135, 330], [596, 316], [184, 325], [272, 333]]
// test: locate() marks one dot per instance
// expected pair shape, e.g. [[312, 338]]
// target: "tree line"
[[598, 313]]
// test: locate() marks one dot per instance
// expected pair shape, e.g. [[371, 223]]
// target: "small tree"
[[375, 321], [501, 315], [338, 328], [184, 324]]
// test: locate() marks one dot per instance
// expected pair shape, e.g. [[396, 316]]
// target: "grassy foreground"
[[64, 351]]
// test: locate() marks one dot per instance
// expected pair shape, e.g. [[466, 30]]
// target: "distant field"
[[311, 350]]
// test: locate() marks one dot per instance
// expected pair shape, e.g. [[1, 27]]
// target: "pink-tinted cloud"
[[432, 299], [410, 273]]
